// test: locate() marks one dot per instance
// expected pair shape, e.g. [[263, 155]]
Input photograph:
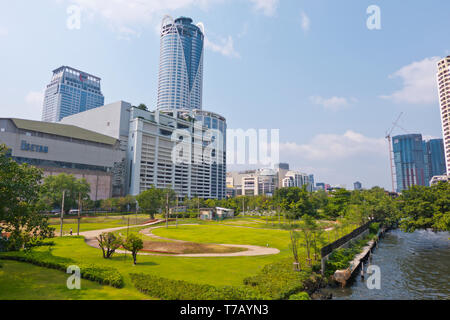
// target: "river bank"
[[413, 266]]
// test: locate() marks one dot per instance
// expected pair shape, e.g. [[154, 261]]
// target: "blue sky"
[[309, 68]]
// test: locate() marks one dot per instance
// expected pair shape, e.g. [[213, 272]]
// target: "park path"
[[91, 240]]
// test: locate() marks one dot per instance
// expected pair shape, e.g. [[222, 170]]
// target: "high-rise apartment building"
[[180, 81], [71, 91], [443, 78]]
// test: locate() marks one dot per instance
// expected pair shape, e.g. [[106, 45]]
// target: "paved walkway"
[[91, 239]]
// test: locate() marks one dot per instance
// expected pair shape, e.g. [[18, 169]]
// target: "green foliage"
[[53, 187], [337, 203], [154, 200], [340, 258], [19, 202], [295, 201], [109, 243], [300, 296], [133, 243], [168, 289], [102, 275], [425, 207], [278, 281]]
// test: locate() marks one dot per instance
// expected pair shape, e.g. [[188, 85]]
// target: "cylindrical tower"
[[181, 65]]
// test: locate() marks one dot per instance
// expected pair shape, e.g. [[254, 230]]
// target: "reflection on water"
[[413, 266]]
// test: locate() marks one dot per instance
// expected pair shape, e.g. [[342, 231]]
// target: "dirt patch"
[[187, 247]]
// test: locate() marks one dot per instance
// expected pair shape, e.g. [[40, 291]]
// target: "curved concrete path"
[[91, 240]]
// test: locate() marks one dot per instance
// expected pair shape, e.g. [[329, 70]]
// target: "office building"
[[152, 139], [71, 91], [59, 148], [180, 82], [409, 161], [443, 79], [434, 158]]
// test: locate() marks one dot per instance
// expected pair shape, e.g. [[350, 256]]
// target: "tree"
[[142, 107], [307, 228], [109, 243], [53, 187], [133, 243], [295, 239], [337, 203], [19, 202], [425, 207], [150, 201]]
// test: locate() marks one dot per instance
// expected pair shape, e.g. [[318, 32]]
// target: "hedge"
[[168, 289], [102, 275], [278, 281]]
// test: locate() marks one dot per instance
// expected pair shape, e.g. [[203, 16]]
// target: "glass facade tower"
[[409, 161], [434, 157], [71, 91], [180, 80]]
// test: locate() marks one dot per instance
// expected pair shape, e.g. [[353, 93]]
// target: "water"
[[414, 266]]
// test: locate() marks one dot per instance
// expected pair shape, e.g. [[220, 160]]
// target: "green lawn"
[[23, 281], [96, 223], [213, 270]]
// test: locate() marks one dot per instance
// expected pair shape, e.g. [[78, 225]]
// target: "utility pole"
[[167, 210], [79, 212], [137, 206], [62, 214], [176, 217]]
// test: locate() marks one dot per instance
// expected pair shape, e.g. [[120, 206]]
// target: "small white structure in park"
[[217, 213]]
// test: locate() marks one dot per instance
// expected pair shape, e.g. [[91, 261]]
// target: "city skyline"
[[332, 118]]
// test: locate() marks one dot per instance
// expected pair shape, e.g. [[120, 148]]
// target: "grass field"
[[96, 223], [23, 281], [218, 271]]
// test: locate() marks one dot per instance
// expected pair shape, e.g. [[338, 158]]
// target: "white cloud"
[[333, 103], [334, 146], [224, 46], [305, 21], [3, 32], [268, 7], [419, 83], [125, 16]]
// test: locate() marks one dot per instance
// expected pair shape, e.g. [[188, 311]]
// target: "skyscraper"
[[71, 91], [434, 158], [443, 78], [180, 81], [409, 161]]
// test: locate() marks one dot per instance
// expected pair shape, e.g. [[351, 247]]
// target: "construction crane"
[[391, 157]]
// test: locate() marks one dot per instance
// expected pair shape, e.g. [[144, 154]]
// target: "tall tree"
[[19, 202], [53, 187]]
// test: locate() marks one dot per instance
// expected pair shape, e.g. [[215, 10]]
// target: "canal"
[[413, 266]]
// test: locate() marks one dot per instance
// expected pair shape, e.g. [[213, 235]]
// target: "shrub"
[[168, 289], [300, 296], [374, 227], [278, 281], [102, 275]]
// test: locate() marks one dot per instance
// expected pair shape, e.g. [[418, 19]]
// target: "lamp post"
[[62, 214]]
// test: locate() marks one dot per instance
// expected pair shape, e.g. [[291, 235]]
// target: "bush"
[[340, 258], [102, 275], [374, 227], [300, 296], [278, 281], [168, 289]]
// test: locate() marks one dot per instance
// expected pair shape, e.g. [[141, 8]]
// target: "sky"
[[312, 69]]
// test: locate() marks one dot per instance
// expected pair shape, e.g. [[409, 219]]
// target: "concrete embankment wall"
[[345, 245]]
